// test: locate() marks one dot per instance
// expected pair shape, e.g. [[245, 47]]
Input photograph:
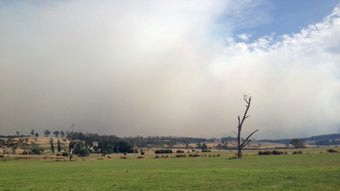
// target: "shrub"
[[297, 152], [123, 157], [179, 151], [180, 156], [163, 151], [332, 151], [265, 153], [65, 154], [140, 157], [84, 152], [205, 150], [277, 152], [35, 150], [194, 155], [274, 152]]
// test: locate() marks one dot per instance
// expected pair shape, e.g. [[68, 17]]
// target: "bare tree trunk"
[[242, 143], [239, 149]]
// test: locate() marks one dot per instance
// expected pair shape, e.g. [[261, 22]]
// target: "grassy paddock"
[[287, 172]]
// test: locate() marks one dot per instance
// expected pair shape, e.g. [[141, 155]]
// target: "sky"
[[170, 68]]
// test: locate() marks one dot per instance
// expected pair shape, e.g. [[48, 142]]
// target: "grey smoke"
[[156, 68]]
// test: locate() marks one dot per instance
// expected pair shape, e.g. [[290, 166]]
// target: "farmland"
[[308, 171]]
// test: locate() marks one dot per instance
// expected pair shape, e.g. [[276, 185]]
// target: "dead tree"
[[71, 147], [241, 144]]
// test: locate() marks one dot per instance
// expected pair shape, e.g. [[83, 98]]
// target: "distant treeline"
[[322, 140], [138, 141], [93, 142]]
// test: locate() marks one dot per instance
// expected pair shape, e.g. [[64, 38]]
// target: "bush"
[[59, 154], [274, 152], [163, 151], [297, 152], [123, 157], [180, 156], [265, 153], [332, 151], [277, 152], [205, 150], [65, 154], [84, 152], [140, 157], [194, 155], [35, 150], [179, 151]]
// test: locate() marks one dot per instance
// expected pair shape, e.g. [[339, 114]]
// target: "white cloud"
[[244, 36], [155, 68]]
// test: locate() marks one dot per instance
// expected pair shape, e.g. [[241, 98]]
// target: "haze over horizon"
[[170, 68]]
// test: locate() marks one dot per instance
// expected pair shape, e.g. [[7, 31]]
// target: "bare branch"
[[245, 98], [246, 141]]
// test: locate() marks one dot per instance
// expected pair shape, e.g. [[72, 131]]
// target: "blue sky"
[[280, 17]]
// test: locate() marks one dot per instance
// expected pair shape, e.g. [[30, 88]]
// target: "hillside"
[[330, 139]]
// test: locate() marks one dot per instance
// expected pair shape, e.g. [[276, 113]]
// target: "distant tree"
[[124, 147], [62, 134], [13, 144], [199, 145], [204, 146], [71, 148], [23, 142], [58, 145], [56, 133], [47, 133], [80, 148], [3, 146], [35, 149], [242, 143], [32, 132], [36, 134], [297, 143], [17, 133], [52, 145]]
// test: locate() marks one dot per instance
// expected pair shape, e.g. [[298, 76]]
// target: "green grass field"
[[288, 172]]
